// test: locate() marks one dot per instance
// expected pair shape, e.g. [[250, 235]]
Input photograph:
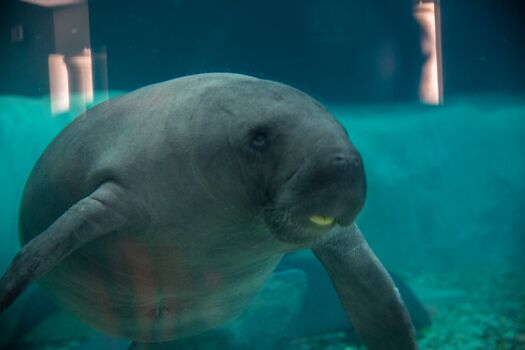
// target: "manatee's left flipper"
[[368, 294], [109, 208]]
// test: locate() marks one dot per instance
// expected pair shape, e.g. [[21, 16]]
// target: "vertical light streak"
[[430, 87], [58, 84]]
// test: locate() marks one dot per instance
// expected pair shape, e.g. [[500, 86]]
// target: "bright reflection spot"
[[429, 86], [80, 79], [53, 3], [58, 84], [70, 82]]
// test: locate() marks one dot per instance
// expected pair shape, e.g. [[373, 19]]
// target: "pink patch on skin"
[[143, 283], [153, 286], [104, 302]]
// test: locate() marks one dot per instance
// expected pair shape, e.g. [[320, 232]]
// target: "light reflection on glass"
[[80, 74], [58, 84], [430, 87], [53, 3], [74, 71]]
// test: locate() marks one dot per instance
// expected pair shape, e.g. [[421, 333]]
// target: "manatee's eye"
[[259, 139]]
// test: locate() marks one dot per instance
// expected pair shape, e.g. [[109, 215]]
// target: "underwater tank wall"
[[445, 207]]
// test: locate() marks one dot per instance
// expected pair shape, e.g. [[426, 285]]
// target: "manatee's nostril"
[[340, 161], [356, 161]]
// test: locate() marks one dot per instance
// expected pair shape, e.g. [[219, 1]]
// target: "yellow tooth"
[[322, 220]]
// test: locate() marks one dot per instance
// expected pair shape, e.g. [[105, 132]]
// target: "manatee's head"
[[288, 157]]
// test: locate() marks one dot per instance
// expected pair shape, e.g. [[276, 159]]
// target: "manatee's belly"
[[153, 293]]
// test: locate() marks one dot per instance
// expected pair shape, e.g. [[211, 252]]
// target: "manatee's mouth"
[[307, 208], [321, 220], [301, 224]]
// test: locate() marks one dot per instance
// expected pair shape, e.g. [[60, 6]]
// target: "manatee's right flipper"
[[371, 300], [109, 208]]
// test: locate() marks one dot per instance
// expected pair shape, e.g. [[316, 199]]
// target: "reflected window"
[[427, 13]]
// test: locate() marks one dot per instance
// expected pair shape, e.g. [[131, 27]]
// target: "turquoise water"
[[444, 212]]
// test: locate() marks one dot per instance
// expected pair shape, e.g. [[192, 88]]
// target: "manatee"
[[159, 214]]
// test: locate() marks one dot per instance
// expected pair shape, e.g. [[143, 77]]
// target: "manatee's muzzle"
[[325, 192]]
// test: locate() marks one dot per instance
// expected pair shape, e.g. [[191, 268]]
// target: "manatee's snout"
[[328, 189], [342, 166], [352, 192], [332, 188], [343, 162]]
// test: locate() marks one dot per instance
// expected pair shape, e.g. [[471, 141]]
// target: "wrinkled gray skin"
[[159, 214]]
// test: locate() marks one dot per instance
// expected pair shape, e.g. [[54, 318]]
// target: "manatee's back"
[[107, 142]]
